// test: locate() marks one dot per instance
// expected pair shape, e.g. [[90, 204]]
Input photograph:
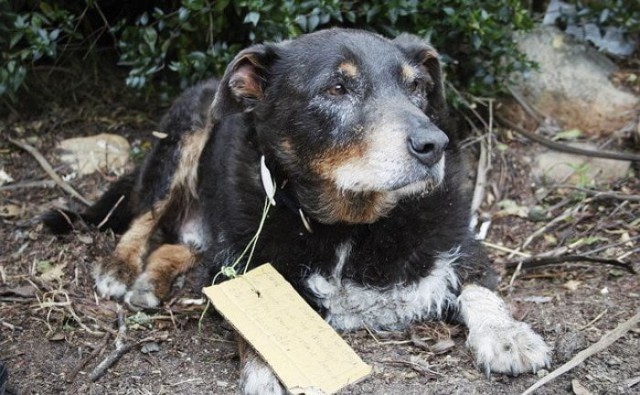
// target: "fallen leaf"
[[570, 134], [85, 239], [572, 285], [443, 346], [579, 389], [10, 210], [511, 208], [56, 337], [55, 273], [5, 177]]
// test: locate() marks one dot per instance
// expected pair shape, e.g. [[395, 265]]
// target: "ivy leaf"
[[252, 17]]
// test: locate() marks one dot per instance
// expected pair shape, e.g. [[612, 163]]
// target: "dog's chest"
[[351, 306]]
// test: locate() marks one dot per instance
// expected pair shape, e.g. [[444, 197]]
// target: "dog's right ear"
[[243, 83]]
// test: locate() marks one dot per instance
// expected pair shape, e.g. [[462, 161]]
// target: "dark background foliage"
[[174, 43], [167, 45]]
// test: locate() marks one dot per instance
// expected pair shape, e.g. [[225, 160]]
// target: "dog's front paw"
[[510, 347], [142, 294], [258, 379]]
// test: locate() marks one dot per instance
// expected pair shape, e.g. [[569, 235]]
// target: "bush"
[[176, 44]]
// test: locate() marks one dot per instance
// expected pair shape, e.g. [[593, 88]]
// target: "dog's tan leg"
[[500, 343], [256, 377], [114, 276], [163, 266]]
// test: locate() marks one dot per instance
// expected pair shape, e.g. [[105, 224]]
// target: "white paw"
[[142, 294], [108, 285], [509, 347], [258, 379]]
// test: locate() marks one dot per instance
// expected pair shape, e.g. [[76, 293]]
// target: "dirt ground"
[[54, 331]]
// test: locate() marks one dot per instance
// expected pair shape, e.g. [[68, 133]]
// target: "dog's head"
[[351, 118]]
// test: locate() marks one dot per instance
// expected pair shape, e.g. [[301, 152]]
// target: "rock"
[[569, 344], [572, 84], [86, 155], [560, 167]]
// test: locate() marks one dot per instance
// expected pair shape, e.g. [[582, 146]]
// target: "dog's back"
[[136, 192]]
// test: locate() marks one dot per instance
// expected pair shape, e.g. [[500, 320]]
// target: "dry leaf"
[[572, 285], [55, 273], [578, 388], [10, 210]]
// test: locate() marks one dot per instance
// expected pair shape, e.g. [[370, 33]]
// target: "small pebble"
[[542, 372], [150, 347]]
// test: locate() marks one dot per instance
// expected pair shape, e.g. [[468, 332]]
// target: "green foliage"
[[27, 37], [179, 43]]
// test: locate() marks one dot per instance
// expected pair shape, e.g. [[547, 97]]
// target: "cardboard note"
[[306, 354]]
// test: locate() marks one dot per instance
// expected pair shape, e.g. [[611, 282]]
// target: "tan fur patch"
[[408, 72], [347, 206], [185, 178], [166, 263], [349, 69], [129, 253], [353, 207], [326, 164]]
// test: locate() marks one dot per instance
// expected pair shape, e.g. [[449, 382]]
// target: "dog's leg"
[[500, 343], [113, 277], [256, 377], [163, 266]]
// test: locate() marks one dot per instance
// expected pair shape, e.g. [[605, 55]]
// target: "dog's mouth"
[[424, 184], [404, 182]]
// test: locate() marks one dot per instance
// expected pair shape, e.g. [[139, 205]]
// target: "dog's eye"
[[337, 90], [415, 86]]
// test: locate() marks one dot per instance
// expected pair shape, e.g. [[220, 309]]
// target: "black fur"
[[398, 248]]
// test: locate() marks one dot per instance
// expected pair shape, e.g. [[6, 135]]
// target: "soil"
[[54, 331]]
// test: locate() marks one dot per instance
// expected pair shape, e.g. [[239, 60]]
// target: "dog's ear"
[[243, 83], [423, 55]]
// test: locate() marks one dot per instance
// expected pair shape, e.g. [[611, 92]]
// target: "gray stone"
[[572, 84], [559, 167], [86, 155]]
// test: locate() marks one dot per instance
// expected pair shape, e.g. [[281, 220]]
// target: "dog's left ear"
[[243, 83], [424, 56]]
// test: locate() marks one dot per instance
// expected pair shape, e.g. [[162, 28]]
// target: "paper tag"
[[306, 354]]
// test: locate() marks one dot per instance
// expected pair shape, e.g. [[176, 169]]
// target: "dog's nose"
[[428, 147]]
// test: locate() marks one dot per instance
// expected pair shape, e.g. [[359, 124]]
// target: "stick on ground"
[[602, 344], [52, 173], [121, 349]]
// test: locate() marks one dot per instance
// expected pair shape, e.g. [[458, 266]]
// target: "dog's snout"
[[428, 147]]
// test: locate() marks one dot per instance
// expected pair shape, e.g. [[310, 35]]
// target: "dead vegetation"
[[568, 253]]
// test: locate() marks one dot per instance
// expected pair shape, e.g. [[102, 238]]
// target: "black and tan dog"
[[371, 222]]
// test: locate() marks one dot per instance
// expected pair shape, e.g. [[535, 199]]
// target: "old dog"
[[371, 215]]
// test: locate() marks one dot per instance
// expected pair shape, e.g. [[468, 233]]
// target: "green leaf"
[[252, 17], [568, 135]]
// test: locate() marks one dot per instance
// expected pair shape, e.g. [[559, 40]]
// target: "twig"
[[567, 148], [601, 195], [602, 344], [505, 249], [110, 213], [617, 243], [593, 321], [49, 170], [97, 350], [481, 178], [121, 349], [538, 261], [29, 184]]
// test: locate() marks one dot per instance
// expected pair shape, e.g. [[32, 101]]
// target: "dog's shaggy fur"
[[371, 222]]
